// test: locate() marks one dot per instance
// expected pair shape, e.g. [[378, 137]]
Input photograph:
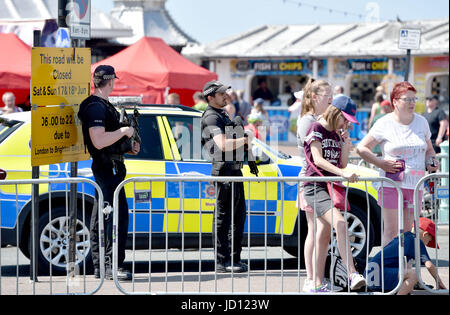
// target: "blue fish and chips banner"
[[277, 67]]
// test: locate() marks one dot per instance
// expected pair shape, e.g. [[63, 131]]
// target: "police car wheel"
[[359, 233], [53, 242]]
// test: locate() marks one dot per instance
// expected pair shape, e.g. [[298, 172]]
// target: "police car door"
[[261, 197]]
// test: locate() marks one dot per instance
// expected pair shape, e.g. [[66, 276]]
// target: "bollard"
[[443, 208]]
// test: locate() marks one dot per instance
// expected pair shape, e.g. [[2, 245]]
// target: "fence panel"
[[173, 250], [55, 271], [439, 193]]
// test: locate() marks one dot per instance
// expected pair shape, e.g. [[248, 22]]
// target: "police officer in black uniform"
[[107, 142], [224, 147]]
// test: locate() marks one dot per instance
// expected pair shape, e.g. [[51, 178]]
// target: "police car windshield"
[[277, 153], [7, 127]]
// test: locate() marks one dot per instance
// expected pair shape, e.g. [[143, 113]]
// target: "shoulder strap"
[[207, 112], [312, 165]]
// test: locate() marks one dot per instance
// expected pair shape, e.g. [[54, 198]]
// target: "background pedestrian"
[[9, 100], [437, 120]]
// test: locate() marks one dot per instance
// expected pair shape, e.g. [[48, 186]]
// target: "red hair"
[[400, 89]]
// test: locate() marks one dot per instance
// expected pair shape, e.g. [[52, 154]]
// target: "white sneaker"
[[308, 285], [335, 288], [320, 289], [357, 281]]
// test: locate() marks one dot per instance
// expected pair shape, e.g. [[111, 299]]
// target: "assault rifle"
[[131, 121], [250, 158]]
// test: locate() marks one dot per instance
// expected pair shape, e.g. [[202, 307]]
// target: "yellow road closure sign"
[[60, 75], [60, 81], [56, 135]]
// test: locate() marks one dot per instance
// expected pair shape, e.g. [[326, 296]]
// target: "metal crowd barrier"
[[441, 192], [357, 160], [54, 242], [194, 271]]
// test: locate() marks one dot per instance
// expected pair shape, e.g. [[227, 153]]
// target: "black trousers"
[[108, 182], [229, 218]]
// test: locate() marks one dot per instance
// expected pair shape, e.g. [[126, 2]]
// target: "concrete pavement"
[[272, 275]]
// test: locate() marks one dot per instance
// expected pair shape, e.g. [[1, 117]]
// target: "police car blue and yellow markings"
[[9, 206], [168, 149], [183, 203], [172, 142], [18, 140]]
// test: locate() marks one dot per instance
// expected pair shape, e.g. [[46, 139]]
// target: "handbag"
[[337, 193], [399, 175]]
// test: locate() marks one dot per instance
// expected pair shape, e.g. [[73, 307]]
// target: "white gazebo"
[[149, 18], [21, 17]]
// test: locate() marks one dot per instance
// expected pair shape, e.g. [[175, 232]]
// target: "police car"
[[271, 206]]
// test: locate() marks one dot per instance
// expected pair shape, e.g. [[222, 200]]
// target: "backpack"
[[336, 270]]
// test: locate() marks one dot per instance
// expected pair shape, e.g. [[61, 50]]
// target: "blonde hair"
[[331, 116], [312, 87]]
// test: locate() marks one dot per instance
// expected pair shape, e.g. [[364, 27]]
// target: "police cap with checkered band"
[[213, 87]]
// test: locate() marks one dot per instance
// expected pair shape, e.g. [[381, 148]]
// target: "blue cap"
[[347, 107]]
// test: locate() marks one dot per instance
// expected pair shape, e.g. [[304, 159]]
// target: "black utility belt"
[[117, 157], [109, 157], [230, 166]]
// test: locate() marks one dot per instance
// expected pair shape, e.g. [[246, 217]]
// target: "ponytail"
[[307, 102], [312, 87]]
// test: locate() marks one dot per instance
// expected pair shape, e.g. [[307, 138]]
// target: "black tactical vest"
[[112, 123], [220, 160]]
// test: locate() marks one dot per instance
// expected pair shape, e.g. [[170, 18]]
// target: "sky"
[[210, 20]]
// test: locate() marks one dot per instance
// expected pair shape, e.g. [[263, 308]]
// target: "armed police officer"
[[225, 148], [107, 141]]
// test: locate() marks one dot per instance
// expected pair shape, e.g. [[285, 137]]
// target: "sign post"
[[80, 30], [73, 196], [34, 201], [409, 39]]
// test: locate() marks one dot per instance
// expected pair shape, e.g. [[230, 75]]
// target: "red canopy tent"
[[149, 66], [15, 67]]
